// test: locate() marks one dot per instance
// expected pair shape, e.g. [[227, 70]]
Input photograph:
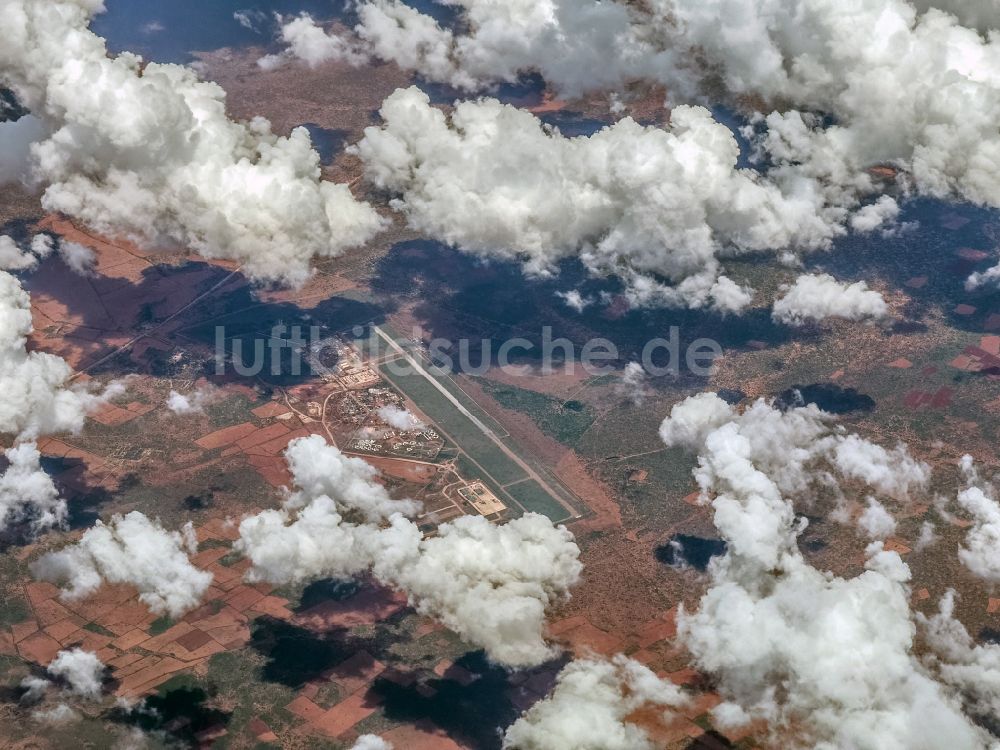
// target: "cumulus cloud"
[[34, 689], [881, 214], [657, 207], [974, 669], [320, 470], [149, 152], [81, 671], [371, 742], [915, 90], [13, 258], [876, 521], [979, 279], [590, 707], [829, 658], [38, 399], [80, 258], [61, 714], [17, 137], [27, 494], [981, 551], [575, 301], [134, 550], [401, 419], [191, 403], [562, 39], [634, 384], [903, 84], [307, 41], [927, 537], [820, 296], [795, 448], [983, 15], [490, 584], [892, 472], [250, 19]]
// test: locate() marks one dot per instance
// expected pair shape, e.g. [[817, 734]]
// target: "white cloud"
[[727, 716], [820, 296], [80, 258], [135, 550], [491, 585], [194, 402], [401, 419], [81, 670], [634, 384], [829, 656], [974, 669], [38, 399], [694, 418], [150, 152], [17, 137], [892, 472], [981, 551], [904, 86], [13, 258], [979, 279], [578, 46], [590, 707], [61, 714], [250, 19], [916, 91], [789, 446], [983, 15], [27, 493], [927, 537], [307, 41], [321, 470], [650, 205], [876, 521], [371, 742], [881, 214], [34, 689], [575, 301]]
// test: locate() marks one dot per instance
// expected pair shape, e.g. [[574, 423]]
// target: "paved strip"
[[490, 434]]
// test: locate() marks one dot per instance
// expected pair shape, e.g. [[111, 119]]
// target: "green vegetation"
[[566, 422], [457, 426], [93, 627], [230, 558], [598, 380], [13, 610], [535, 499], [160, 625], [213, 544], [230, 411], [483, 459], [236, 678]]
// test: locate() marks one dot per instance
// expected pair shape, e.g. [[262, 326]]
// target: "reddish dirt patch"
[[367, 607], [421, 736], [270, 409], [262, 435], [226, 436], [347, 713], [401, 469]]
